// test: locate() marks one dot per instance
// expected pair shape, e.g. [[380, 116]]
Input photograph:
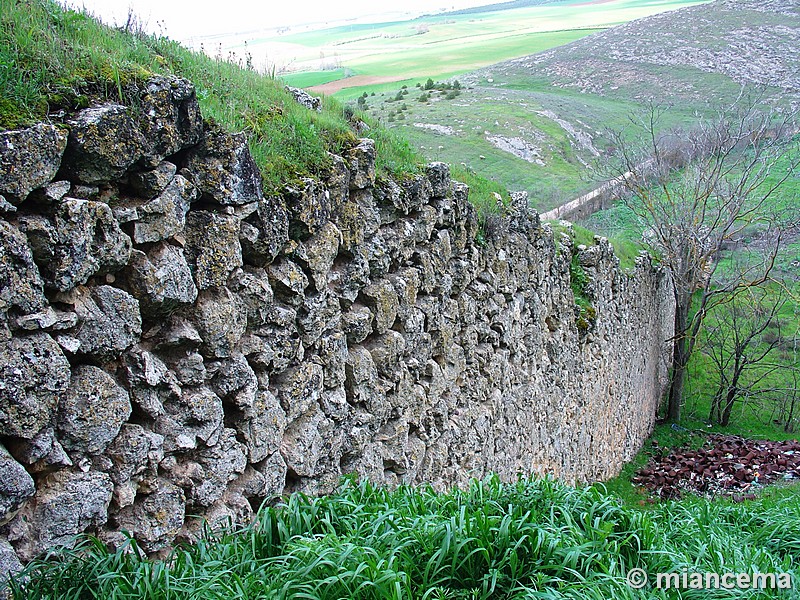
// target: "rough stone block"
[[416, 194], [310, 207], [252, 286], [288, 281], [383, 301], [300, 388], [304, 443], [92, 410], [387, 351], [362, 164], [171, 119], [104, 142], [33, 374], [219, 465], [439, 176], [81, 239], [16, 486], [29, 159], [275, 345], [164, 216], [21, 286], [221, 321], [265, 232], [161, 279], [273, 470], [194, 415], [263, 430], [357, 323], [65, 505], [130, 451], [224, 170], [333, 353], [42, 453], [109, 321], [149, 184], [212, 247], [10, 564], [155, 518], [319, 253]]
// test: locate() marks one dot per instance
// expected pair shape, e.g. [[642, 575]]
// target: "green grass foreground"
[[532, 539]]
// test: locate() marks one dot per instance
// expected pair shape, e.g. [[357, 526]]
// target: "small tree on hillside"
[[696, 192], [741, 336], [789, 400]]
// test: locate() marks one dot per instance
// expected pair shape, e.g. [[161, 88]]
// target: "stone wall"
[[174, 343], [584, 206]]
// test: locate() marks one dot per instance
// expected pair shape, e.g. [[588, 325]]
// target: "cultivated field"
[[442, 45]]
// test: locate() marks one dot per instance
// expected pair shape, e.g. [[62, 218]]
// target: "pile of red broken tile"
[[724, 465]]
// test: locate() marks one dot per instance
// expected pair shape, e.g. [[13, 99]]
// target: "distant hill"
[[679, 53], [540, 122]]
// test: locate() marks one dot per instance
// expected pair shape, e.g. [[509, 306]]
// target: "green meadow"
[[464, 130]]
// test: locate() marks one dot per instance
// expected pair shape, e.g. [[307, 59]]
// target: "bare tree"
[[696, 192], [740, 336], [791, 402]]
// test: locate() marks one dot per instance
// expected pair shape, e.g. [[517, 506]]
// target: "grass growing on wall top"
[[625, 249], [61, 59], [56, 59], [52, 59]]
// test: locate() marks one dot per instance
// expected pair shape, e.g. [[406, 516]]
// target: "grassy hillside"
[[678, 56], [534, 539], [551, 110]]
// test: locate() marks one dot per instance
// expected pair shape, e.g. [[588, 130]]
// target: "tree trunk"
[[729, 402], [680, 359], [733, 386], [716, 402], [787, 428]]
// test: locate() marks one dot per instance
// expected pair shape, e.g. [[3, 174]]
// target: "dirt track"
[[340, 84]]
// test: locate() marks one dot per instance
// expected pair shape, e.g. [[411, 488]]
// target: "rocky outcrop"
[[666, 55], [173, 342]]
